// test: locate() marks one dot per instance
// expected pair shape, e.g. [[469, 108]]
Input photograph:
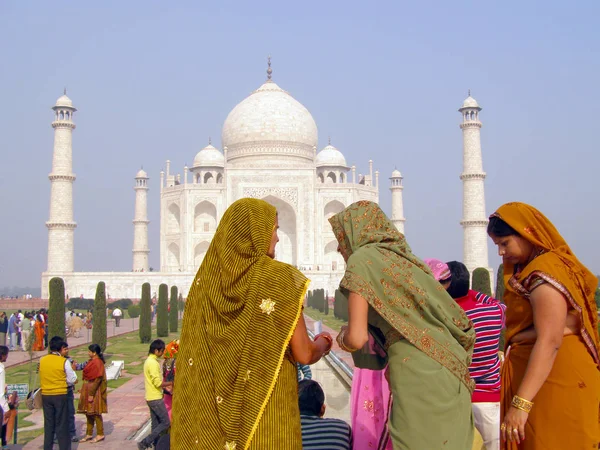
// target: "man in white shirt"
[[117, 314]]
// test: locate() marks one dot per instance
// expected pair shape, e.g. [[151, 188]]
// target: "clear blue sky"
[[152, 80]]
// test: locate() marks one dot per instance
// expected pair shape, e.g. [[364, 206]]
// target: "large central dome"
[[269, 121]]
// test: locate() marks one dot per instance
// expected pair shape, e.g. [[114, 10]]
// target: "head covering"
[[240, 315], [441, 271], [557, 265], [400, 287], [171, 349]]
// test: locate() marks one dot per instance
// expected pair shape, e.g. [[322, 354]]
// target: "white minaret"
[[397, 204], [474, 220], [140, 223], [61, 225]]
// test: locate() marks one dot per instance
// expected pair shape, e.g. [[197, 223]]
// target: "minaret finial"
[[269, 70], [329, 140], [469, 92], [65, 91]]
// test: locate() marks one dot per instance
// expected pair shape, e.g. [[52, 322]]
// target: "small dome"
[[209, 156], [396, 174], [330, 156], [470, 102], [141, 174], [63, 100]]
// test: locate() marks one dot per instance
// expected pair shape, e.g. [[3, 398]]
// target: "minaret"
[[397, 204], [474, 222], [61, 225], [140, 223]]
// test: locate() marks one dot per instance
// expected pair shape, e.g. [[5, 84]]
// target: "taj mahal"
[[269, 151]]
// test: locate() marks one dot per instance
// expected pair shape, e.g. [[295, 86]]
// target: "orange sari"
[[38, 343], [566, 410]]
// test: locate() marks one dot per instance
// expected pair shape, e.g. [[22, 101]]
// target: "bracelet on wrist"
[[342, 344], [329, 340], [522, 404]]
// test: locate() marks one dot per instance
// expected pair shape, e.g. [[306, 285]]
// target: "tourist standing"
[[25, 332], [154, 384], [3, 401], [550, 377], [117, 314], [20, 318], [393, 297], [54, 377], [3, 328], [38, 329], [12, 331], [243, 331], [64, 351], [319, 433], [93, 401]]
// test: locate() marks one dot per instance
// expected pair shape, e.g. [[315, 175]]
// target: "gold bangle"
[[522, 404], [343, 346]]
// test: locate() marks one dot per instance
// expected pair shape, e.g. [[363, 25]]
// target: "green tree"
[[481, 281], [145, 315], [133, 311], [173, 312], [56, 310], [326, 305], [162, 311], [99, 327], [500, 283]]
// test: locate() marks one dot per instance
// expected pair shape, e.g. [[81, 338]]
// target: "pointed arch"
[[173, 256], [200, 253], [331, 178], [208, 178], [287, 248], [205, 217], [173, 219], [321, 178]]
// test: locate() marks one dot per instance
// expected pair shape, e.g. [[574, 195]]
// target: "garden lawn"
[[330, 320]]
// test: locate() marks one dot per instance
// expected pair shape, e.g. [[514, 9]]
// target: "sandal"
[[97, 439], [85, 439]]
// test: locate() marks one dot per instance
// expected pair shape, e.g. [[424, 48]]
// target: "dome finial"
[[469, 92], [329, 140], [269, 70], [65, 91], [209, 141]]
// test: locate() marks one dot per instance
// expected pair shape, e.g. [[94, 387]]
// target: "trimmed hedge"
[[134, 311], [123, 303], [56, 309], [99, 324], [162, 311], [340, 306], [145, 315], [500, 283], [80, 303], [173, 311], [481, 281]]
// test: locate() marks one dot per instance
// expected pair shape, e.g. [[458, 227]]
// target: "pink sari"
[[369, 405]]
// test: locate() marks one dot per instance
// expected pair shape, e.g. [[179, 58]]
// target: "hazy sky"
[[153, 80]]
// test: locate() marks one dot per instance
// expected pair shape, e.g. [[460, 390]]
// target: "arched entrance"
[[286, 250]]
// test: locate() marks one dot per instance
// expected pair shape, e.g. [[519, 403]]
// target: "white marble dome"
[[470, 102], [330, 156], [209, 156], [269, 114], [63, 100], [396, 174], [141, 174]]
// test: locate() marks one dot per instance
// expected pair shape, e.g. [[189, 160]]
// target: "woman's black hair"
[[95, 348], [500, 228]]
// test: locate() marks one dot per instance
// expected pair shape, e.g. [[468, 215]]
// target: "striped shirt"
[[325, 434], [487, 315]]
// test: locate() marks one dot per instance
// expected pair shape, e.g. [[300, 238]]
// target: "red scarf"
[[93, 369]]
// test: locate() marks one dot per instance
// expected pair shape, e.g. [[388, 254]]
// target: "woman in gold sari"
[[394, 301], [550, 378], [38, 329], [243, 332]]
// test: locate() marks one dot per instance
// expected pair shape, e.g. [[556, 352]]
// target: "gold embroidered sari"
[[236, 386], [565, 413]]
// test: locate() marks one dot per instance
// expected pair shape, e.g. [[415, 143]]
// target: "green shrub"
[[80, 303], [500, 283], [123, 303], [145, 315], [56, 309], [99, 324], [133, 311], [481, 281], [162, 311], [340, 306], [173, 312], [326, 305]]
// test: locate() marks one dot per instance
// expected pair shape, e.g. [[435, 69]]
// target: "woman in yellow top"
[[243, 332], [550, 377]]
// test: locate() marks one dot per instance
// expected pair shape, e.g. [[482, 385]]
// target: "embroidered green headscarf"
[[401, 288]]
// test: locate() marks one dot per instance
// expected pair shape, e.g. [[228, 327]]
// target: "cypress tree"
[[336, 304], [56, 310], [145, 315], [162, 311], [326, 305], [99, 328], [174, 311], [500, 283], [481, 281]]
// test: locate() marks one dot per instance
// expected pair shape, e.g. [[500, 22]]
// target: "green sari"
[[427, 336]]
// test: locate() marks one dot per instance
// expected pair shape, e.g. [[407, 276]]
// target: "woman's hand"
[[513, 427], [325, 335]]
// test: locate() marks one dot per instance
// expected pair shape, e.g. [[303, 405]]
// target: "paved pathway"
[[127, 325]]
